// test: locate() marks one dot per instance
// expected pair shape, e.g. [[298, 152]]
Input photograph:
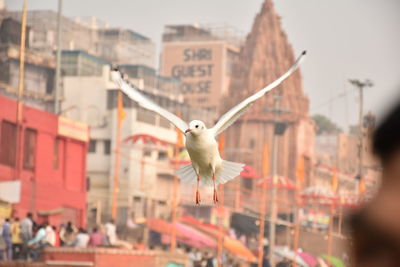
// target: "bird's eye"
[[197, 126]]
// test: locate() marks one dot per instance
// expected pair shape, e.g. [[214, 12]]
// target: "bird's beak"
[[188, 131]]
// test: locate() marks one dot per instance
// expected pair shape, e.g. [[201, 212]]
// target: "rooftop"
[[197, 32], [116, 31], [85, 54]]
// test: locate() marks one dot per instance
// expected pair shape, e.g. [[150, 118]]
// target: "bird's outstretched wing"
[[146, 103], [234, 113]]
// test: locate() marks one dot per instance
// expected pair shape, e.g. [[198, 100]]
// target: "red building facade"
[[50, 163]]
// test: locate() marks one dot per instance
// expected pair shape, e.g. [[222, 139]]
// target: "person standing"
[[7, 239], [51, 238], [210, 260], [111, 232], [39, 242], [26, 227], [96, 238], [82, 239], [2, 244], [16, 238], [57, 235], [192, 257], [67, 234]]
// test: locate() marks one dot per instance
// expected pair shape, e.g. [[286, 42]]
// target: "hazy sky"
[[344, 39]]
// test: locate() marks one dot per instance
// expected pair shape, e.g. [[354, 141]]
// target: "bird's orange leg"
[[197, 191], [215, 197]]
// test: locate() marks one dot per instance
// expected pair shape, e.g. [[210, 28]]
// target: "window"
[[92, 146], [147, 152], [162, 155], [252, 143], [88, 184], [8, 143], [247, 183], [107, 147], [29, 149], [146, 116], [164, 123], [56, 153]]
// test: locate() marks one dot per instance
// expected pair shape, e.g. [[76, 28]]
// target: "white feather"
[[146, 103], [234, 113]]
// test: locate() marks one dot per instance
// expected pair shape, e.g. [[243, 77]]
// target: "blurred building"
[[43, 37], [123, 46], [81, 63], [147, 148], [39, 68], [202, 58], [339, 153], [116, 45], [265, 56], [46, 175]]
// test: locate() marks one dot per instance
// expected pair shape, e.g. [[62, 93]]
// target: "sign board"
[[5, 210], [73, 129], [200, 67], [10, 191]]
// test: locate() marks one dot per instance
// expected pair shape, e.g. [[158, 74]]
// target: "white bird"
[[207, 168]]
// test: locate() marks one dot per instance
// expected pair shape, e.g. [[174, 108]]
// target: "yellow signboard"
[[200, 67], [73, 129], [5, 210]]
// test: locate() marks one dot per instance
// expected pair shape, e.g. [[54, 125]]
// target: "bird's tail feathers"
[[187, 174], [229, 170]]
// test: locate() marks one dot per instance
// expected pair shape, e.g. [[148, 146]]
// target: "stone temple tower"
[[265, 55]]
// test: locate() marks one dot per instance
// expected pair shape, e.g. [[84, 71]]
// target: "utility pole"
[[21, 84], [360, 85], [262, 205], [279, 130], [120, 117], [57, 81], [175, 190], [221, 208]]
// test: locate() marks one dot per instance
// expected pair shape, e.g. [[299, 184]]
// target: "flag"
[[334, 181], [300, 170], [361, 187], [179, 138], [265, 161], [179, 135], [120, 107], [221, 144]]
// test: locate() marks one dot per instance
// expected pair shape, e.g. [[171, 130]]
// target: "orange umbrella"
[[234, 246], [161, 226], [184, 233], [237, 248]]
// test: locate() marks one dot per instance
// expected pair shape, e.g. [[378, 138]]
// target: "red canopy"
[[146, 139], [193, 221], [282, 182], [184, 233], [232, 245], [249, 172]]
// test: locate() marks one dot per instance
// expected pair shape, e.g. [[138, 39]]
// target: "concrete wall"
[[56, 191], [102, 257], [86, 100]]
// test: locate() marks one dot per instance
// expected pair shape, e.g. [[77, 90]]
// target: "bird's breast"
[[202, 151]]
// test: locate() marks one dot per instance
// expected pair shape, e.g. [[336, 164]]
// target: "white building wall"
[[85, 99]]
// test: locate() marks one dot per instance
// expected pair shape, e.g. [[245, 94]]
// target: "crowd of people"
[[25, 239]]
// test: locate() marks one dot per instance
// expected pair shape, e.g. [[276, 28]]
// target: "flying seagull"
[[207, 167]]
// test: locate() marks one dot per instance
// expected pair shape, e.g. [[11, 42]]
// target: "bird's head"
[[196, 127]]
